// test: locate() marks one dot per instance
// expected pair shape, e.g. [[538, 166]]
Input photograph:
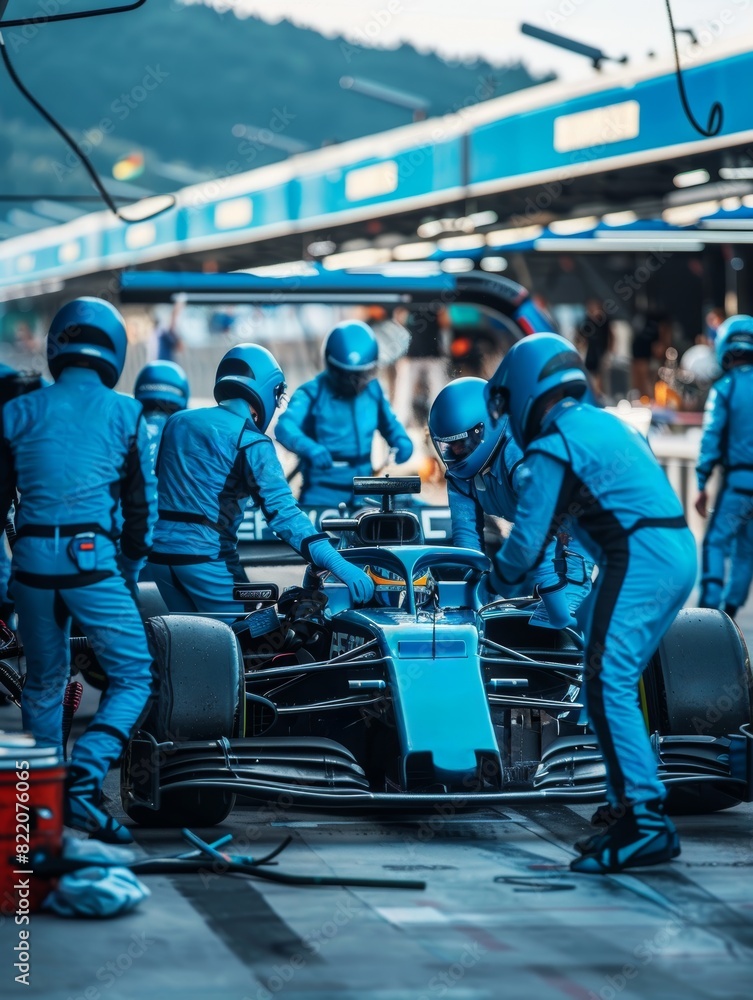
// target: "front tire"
[[699, 683], [200, 695]]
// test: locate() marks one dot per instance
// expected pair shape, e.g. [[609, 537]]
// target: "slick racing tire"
[[699, 684], [199, 695]]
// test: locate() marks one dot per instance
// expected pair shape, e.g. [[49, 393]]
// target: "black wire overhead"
[[71, 16], [716, 112], [71, 142]]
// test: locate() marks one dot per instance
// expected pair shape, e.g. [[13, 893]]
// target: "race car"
[[424, 697]]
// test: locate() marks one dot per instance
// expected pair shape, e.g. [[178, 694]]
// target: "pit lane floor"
[[501, 916]]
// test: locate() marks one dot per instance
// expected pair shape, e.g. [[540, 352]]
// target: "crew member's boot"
[[643, 836], [84, 810]]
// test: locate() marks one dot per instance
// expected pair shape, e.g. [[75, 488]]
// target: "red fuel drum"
[[31, 817]]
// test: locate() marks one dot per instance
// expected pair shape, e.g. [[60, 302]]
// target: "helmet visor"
[[457, 447], [350, 382]]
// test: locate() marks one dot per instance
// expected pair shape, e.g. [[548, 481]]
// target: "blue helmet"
[[88, 333], [250, 372], [351, 353], [533, 372], [162, 385], [460, 427], [734, 340]]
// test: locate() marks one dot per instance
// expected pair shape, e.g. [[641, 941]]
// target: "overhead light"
[[413, 251], [519, 235], [408, 269], [487, 218], [650, 245], [427, 230], [619, 218], [494, 263], [689, 178], [462, 224], [321, 248], [456, 265], [286, 269], [563, 227], [736, 173], [357, 258], [726, 234], [461, 243], [687, 215]]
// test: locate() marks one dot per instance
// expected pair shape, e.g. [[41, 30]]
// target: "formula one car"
[[426, 696], [423, 697]]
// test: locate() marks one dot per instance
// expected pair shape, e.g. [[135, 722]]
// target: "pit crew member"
[[727, 441], [587, 471], [78, 453], [162, 389], [483, 469], [211, 462], [330, 421]]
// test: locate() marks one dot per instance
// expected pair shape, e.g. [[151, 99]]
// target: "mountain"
[[171, 81]]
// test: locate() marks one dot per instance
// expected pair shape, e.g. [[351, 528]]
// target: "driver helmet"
[[351, 354], [389, 587]]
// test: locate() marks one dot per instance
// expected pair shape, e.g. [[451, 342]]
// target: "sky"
[[490, 28]]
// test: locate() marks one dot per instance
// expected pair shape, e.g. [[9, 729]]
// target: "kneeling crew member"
[[330, 421], [587, 471], [211, 462], [78, 453]]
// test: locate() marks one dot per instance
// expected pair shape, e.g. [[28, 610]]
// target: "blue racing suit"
[[740, 569], [211, 462], [332, 436], [78, 454], [495, 492], [590, 473], [155, 424], [727, 441]]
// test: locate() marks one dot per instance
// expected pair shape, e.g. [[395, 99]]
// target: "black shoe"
[[85, 811], [604, 817], [643, 836]]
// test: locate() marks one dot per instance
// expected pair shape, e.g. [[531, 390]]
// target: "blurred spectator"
[[595, 337], [422, 372], [168, 340], [714, 319], [393, 339], [651, 339]]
